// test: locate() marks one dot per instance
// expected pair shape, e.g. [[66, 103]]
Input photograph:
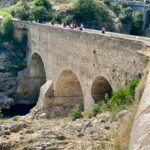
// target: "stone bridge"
[[83, 66]]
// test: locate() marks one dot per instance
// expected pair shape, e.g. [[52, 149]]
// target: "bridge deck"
[[144, 40]]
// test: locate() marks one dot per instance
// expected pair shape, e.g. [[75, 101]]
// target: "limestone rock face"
[[6, 3], [27, 90], [5, 101], [140, 135], [46, 92]]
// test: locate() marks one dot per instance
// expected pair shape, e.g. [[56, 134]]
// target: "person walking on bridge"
[[81, 27]]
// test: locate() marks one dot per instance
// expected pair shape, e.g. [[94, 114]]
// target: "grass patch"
[[121, 136], [5, 13], [75, 113], [120, 99]]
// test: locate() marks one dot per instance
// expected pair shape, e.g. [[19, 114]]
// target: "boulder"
[[120, 114], [46, 92]]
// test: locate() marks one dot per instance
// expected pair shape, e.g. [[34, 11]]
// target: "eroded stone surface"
[[140, 135]]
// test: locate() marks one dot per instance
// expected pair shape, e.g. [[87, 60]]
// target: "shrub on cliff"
[[75, 113], [22, 11], [136, 23], [7, 28], [132, 20], [41, 10], [119, 100], [107, 2], [92, 15]]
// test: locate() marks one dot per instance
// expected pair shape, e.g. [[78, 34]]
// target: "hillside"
[[119, 18]]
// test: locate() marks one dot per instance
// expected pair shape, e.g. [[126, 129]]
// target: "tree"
[[126, 16], [40, 14], [45, 3], [7, 28], [136, 23], [41, 10], [92, 15], [85, 11], [132, 20], [23, 10]]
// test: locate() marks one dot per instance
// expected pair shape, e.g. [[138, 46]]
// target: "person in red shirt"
[[74, 25], [64, 25]]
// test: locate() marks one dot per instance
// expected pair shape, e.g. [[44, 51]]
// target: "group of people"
[[75, 26], [71, 26]]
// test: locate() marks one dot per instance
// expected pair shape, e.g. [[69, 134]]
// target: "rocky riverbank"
[[100, 132]]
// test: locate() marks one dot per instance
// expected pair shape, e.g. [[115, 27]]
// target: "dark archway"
[[68, 90], [30, 88], [37, 75], [147, 20], [100, 88]]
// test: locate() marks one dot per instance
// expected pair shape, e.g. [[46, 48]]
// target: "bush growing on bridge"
[[75, 113], [7, 28], [119, 100]]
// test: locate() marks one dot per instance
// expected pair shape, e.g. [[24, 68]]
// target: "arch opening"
[[37, 75], [29, 89], [147, 20], [100, 88], [68, 90]]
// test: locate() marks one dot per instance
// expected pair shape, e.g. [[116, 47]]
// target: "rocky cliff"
[[6, 3], [17, 88]]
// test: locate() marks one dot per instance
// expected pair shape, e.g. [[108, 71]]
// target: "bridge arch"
[[68, 89], [37, 74], [36, 66], [100, 88]]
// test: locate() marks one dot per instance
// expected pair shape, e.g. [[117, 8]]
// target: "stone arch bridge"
[[82, 66]]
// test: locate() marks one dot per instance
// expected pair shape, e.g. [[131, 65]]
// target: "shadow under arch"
[[36, 66], [68, 90], [37, 76], [100, 88]]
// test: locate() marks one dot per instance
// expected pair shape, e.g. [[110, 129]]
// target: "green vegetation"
[[131, 20], [75, 113], [41, 10], [22, 10], [9, 43], [5, 12], [119, 100], [107, 2], [136, 23], [91, 13], [38, 10], [7, 28]]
